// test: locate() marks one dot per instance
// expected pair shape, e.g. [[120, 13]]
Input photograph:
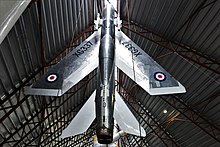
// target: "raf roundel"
[[159, 76], [52, 78]]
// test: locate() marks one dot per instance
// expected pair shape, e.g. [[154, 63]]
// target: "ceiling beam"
[[188, 112], [24, 99], [178, 48], [42, 142], [39, 124], [40, 69], [194, 116], [193, 15], [158, 130]]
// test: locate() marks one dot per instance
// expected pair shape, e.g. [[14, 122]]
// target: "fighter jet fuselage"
[[106, 49], [105, 88]]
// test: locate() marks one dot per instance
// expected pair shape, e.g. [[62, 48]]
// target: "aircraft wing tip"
[[167, 90], [29, 90]]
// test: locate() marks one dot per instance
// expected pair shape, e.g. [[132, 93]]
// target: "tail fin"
[[82, 120], [125, 119]]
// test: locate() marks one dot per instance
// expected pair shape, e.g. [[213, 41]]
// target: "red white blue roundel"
[[159, 76], [52, 78]]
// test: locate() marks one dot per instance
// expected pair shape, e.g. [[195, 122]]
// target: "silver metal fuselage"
[[106, 86]]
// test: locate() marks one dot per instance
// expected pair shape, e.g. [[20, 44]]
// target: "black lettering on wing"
[[87, 45], [132, 49], [76, 54], [135, 51], [80, 51], [123, 43], [137, 54], [90, 43], [83, 49]]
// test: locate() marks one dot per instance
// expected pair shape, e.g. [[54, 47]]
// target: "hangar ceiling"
[[181, 35]]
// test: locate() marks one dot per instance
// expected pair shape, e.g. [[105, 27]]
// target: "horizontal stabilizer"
[[82, 120], [70, 70], [125, 118], [142, 69]]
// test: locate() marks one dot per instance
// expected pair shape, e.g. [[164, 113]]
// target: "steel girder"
[[151, 122], [30, 122], [40, 69], [136, 141], [188, 112], [178, 48], [46, 129], [194, 116]]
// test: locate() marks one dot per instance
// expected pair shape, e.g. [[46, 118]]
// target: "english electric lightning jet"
[[105, 49]]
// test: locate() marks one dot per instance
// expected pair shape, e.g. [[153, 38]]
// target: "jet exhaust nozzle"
[[105, 135]]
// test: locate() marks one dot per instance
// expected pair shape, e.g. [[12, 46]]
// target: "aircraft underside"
[[106, 49]]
